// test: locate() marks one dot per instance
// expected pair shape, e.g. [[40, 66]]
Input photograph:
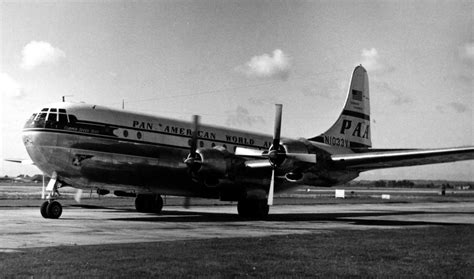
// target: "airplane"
[[131, 154]]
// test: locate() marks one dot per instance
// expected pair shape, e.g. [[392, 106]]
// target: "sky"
[[231, 61]]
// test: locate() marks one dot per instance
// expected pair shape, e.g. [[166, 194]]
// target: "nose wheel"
[[51, 209]]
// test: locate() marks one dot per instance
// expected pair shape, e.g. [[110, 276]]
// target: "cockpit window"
[[50, 118], [41, 116], [62, 118]]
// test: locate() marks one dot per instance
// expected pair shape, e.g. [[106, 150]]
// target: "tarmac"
[[23, 227]]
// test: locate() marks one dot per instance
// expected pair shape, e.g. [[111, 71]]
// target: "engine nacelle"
[[293, 146], [214, 163]]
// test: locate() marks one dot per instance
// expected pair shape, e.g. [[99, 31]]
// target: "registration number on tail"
[[336, 141]]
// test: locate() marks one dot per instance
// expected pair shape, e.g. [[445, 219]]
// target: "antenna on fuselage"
[[123, 103], [64, 97]]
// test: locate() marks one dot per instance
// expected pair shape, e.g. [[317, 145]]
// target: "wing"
[[400, 158], [20, 161]]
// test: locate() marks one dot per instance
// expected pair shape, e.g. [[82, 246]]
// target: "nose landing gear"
[[52, 209]]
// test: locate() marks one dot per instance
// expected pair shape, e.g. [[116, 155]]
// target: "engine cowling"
[[213, 164], [293, 146]]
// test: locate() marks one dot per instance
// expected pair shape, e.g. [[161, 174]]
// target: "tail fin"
[[352, 128]]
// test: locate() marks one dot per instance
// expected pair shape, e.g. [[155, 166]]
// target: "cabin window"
[[201, 144], [139, 135], [125, 133], [213, 144]]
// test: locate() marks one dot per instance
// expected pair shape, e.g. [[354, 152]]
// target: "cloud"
[[370, 59], [466, 52], [458, 107], [9, 87], [398, 97], [372, 62], [453, 106], [265, 66], [242, 117], [36, 53]]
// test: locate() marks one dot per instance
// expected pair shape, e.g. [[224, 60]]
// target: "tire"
[[243, 208], [143, 203], [157, 204], [43, 209], [253, 209], [148, 203], [54, 210]]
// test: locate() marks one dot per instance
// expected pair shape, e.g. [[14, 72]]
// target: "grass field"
[[433, 251], [438, 251]]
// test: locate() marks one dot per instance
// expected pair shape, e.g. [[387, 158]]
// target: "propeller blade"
[[248, 152], [187, 202], [277, 127], [272, 188], [309, 158], [194, 138], [43, 190], [78, 195]]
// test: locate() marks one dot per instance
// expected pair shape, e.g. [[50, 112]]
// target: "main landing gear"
[[253, 208], [148, 203]]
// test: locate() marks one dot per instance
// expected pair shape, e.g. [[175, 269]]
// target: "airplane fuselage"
[[96, 147]]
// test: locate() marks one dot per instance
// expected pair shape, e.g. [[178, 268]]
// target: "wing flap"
[[401, 158]]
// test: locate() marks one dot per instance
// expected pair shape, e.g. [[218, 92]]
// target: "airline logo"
[[356, 95]]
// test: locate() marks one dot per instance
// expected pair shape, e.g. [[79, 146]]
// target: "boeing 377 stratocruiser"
[[143, 156]]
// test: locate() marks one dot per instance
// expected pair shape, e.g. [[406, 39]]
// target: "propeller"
[[78, 196], [193, 159], [187, 202], [275, 155], [43, 189]]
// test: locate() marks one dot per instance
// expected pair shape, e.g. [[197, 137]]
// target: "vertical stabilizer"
[[352, 128]]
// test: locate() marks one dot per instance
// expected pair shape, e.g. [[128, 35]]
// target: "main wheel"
[[54, 210], [43, 209], [142, 203], [149, 203], [253, 208], [157, 204]]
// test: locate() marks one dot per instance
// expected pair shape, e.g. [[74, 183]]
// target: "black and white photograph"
[[236, 139]]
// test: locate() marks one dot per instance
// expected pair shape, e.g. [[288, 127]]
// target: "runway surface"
[[23, 227]]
